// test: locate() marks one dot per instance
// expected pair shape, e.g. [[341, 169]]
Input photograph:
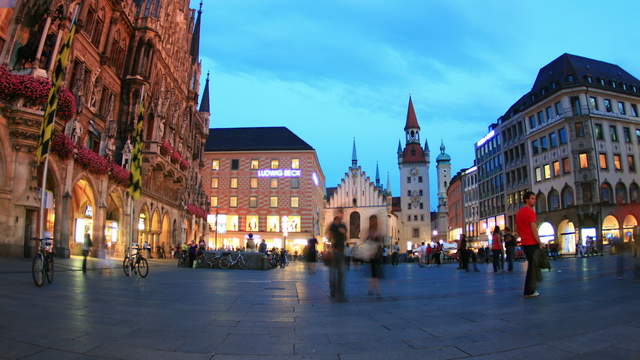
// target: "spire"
[[399, 147], [195, 39], [204, 103], [354, 155], [426, 145], [442, 148], [388, 183], [377, 175], [412, 120]]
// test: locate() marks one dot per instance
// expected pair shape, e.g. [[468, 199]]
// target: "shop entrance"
[[83, 202]]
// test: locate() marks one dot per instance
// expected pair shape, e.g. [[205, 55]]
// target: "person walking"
[[496, 249], [510, 245], [395, 255], [348, 255], [337, 236], [528, 230], [86, 247], [437, 250], [463, 257], [311, 255], [428, 252], [376, 260]]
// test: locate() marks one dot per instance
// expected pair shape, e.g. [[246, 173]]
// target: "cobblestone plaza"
[[425, 313]]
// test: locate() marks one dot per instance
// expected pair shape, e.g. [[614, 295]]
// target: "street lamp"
[[285, 231]]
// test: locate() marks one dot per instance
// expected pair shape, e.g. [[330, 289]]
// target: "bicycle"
[[136, 263], [42, 264], [228, 261]]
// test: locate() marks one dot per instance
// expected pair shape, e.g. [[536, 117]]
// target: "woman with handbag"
[[374, 238]]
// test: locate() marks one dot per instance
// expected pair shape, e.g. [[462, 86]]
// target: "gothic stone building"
[[120, 48]]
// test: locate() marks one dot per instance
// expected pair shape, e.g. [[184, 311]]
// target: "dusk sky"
[[332, 70]]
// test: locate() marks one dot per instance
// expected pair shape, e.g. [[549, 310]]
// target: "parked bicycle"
[[229, 260], [135, 263], [42, 264]]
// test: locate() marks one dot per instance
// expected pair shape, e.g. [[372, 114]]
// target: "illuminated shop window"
[[253, 222], [232, 222], [273, 223]]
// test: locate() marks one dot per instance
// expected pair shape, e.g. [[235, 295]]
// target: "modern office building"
[[490, 176], [471, 206], [456, 206]]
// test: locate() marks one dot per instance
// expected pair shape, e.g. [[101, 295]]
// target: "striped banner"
[[57, 78], [136, 155]]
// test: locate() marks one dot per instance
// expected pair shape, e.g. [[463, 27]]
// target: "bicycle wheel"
[[126, 267], [37, 270], [224, 263], [49, 269], [143, 268], [242, 264]]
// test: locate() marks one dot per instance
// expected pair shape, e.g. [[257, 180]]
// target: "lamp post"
[[215, 241], [285, 231]]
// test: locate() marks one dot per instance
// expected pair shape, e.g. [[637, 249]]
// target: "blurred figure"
[[463, 257], [251, 244], [510, 245], [263, 247], [395, 254], [348, 255], [422, 250], [86, 247], [496, 249], [311, 255], [528, 230], [375, 237], [437, 250], [579, 249], [337, 235], [428, 252]]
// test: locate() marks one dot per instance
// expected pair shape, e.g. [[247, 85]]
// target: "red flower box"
[[196, 211], [119, 174], [93, 162], [175, 157], [165, 148], [62, 145], [184, 164]]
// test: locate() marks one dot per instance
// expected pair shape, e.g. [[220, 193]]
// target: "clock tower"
[[413, 161]]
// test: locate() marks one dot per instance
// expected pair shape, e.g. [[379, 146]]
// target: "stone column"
[[66, 222]]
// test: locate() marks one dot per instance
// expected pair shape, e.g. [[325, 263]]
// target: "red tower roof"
[[412, 120], [413, 153]]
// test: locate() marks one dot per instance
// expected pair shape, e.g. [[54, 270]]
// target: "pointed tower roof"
[[195, 39], [377, 175], [426, 145], [388, 183], [399, 147], [354, 155], [204, 103], [412, 120]]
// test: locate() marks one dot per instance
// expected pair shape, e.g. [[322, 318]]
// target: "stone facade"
[[120, 48]]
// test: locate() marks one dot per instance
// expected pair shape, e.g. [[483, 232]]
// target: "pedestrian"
[[428, 252], [395, 254], [375, 238], [472, 256], [422, 250], [437, 250], [337, 236], [528, 230], [579, 249], [462, 253], [348, 255], [496, 248], [193, 249], [510, 245], [86, 247], [385, 255], [262, 248], [311, 256]]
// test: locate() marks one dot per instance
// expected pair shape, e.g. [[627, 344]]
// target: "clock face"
[[415, 200], [413, 171]]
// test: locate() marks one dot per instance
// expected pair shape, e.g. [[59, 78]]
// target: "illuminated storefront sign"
[[486, 138], [279, 173]]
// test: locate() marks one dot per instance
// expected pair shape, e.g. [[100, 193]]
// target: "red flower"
[[184, 164], [175, 157], [119, 174], [62, 145], [165, 148], [93, 162]]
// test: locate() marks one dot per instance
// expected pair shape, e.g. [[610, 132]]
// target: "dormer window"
[[570, 78], [553, 85], [601, 82], [613, 84], [634, 89], [624, 87], [544, 91], [589, 79]]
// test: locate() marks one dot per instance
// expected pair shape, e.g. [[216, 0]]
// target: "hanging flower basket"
[[184, 164], [165, 148], [62, 145], [196, 211], [35, 91], [175, 157], [119, 174], [92, 162]]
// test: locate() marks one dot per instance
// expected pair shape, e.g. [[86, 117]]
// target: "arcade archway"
[[629, 226], [546, 232], [610, 229], [113, 230], [83, 208], [567, 232]]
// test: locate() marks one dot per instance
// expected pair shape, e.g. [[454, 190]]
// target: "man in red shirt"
[[528, 231]]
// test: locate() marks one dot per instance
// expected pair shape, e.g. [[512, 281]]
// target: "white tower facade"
[[443, 167], [413, 162]]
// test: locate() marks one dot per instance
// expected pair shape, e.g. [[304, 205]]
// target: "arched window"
[[554, 200], [567, 197], [621, 193], [541, 203], [354, 225], [606, 195], [634, 193]]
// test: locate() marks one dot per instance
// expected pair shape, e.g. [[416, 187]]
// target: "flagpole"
[[131, 196], [42, 195]]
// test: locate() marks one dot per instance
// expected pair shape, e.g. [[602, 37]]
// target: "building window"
[[214, 183], [626, 132], [295, 202], [295, 163], [408, 179], [534, 147], [253, 223], [575, 106], [593, 103], [293, 224], [233, 201], [566, 166], [408, 217], [408, 192], [421, 206], [253, 201], [532, 122], [607, 105], [420, 192], [295, 183], [603, 161], [235, 164], [632, 163], [547, 171], [584, 160], [634, 110], [416, 232], [214, 201], [613, 132], [579, 129], [540, 118], [273, 223], [562, 134], [547, 113], [638, 136], [253, 183], [275, 164], [255, 164], [587, 195], [419, 179], [621, 108], [233, 183], [558, 108], [415, 217], [617, 162], [543, 144], [232, 222], [556, 168], [553, 140], [599, 132], [409, 206], [215, 164], [421, 217], [273, 183], [538, 174], [273, 201]]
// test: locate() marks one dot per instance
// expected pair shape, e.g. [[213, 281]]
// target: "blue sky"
[[333, 69]]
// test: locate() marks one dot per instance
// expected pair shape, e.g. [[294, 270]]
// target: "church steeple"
[[204, 103], [377, 175], [411, 127], [195, 39], [388, 183], [354, 155]]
